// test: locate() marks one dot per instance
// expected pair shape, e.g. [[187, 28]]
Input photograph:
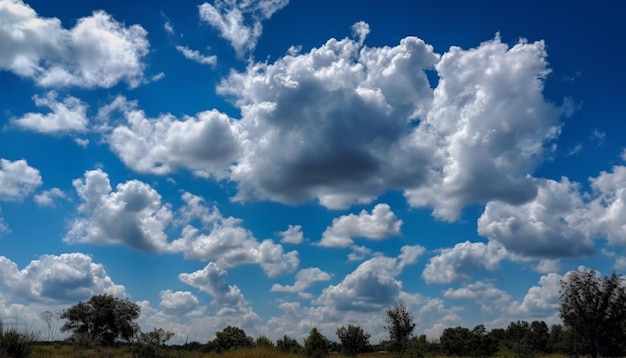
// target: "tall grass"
[[15, 344]]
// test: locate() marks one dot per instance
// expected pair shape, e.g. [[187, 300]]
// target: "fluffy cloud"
[[607, 213], [293, 235], [541, 300], [486, 294], [205, 144], [97, 52], [228, 300], [373, 284], [492, 124], [47, 197], [17, 179], [178, 303], [231, 245], [195, 55], [64, 278], [297, 111], [462, 261], [3, 226], [132, 214], [380, 224], [546, 227], [304, 279], [67, 116], [239, 22]]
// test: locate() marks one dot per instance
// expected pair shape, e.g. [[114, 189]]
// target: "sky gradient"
[[281, 165]]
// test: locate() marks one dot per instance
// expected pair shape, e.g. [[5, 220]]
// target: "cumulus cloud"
[[97, 52], [178, 303], [333, 124], [66, 116], [380, 224], [546, 227], [65, 278], [47, 197], [17, 179], [607, 212], [372, 285], [540, 300], [462, 261], [231, 245], [239, 22], [132, 215], [486, 294], [3, 226], [492, 124], [227, 299], [195, 55], [304, 279], [293, 235], [205, 144]]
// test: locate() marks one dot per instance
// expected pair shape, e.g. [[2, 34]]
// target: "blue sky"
[[282, 165]]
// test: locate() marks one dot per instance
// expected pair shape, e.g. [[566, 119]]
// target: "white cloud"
[[623, 154], [17, 179], [486, 294], [358, 253], [132, 215], [239, 22], [3, 226], [491, 122], [547, 266], [97, 52], [304, 279], [227, 299], [231, 245], [178, 303], [620, 263], [333, 124], [541, 300], [293, 235], [67, 116], [65, 278], [195, 55], [546, 227], [205, 144], [47, 197], [380, 224], [373, 284], [607, 212], [462, 261]]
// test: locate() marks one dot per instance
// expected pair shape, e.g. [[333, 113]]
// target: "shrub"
[[14, 344]]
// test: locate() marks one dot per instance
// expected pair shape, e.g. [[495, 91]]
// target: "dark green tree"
[[316, 345], [353, 339], [264, 341], [288, 345], [231, 338], [593, 310], [456, 341], [156, 337], [400, 326], [103, 319]]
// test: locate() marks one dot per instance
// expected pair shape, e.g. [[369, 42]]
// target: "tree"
[[316, 345], [353, 339], [231, 338], [288, 345], [593, 310], [264, 341], [103, 319], [399, 325], [156, 338], [51, 320]]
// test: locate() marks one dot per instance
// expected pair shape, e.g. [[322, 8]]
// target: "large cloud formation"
[[97, 52]]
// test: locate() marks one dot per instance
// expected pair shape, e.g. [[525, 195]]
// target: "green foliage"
[[156, 337], [263, 341], [593, 310], [316, 345], [288, 345], [399, 325], [230, 338], [14, 344], [353, 339], [102, 319]]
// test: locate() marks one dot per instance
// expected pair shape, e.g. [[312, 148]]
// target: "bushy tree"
[[593, 310], [263, 341], [156, 337], [353, 339], [399, 325], [456, 341], [102, 319], [231, 338], [316, 345], [288, 345]]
